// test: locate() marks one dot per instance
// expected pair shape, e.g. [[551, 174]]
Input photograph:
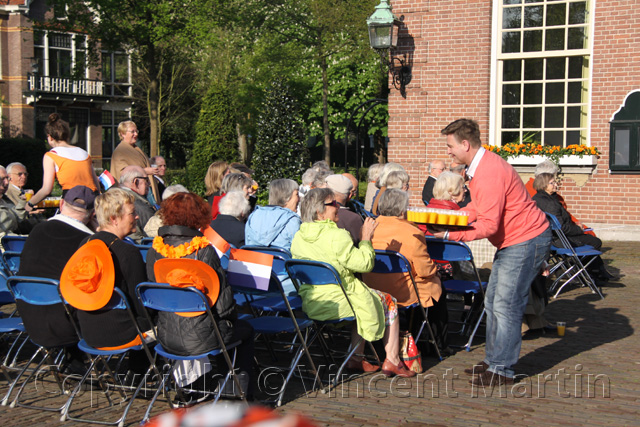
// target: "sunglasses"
[[142, 177], [332, 203]]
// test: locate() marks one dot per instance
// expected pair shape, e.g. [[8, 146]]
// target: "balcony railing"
[[65, 86]]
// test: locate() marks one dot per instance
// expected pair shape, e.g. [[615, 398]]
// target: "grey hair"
[[10, 166], [546, 166], [397, 179], [313, 203], [130, 173], [321, 176], [386, 170], [449, 184], [234, 203], [280, 191], [173, 189], [308, 176], [458, 168], [235, 182], [393, 202], [154, 159], [3, 168], [433, 163], [321, 165], [374, 172]]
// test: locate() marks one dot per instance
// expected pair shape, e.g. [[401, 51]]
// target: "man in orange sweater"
[[502, 211]]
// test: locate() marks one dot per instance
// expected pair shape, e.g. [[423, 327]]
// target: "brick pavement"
[[588, 377]]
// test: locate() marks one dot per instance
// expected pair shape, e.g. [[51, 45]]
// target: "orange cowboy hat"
[[88, 278], [186, 272]]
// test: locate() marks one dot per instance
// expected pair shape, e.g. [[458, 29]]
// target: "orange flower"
[[174, 252]]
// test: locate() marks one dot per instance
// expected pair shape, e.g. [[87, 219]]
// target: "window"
[[61, 55], [115, 72], [624, 136], [78, 127], [543, 72], [110, 138]]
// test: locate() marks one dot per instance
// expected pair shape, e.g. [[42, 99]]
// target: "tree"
[[150, 31], [280, 150], [215, 137]]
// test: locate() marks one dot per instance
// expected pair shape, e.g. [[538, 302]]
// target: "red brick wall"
[[448, 44]]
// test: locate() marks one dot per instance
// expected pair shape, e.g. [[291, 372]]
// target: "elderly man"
[[46, 252], [436, 167], [503, 212], [348, 220], [135, 180], [13, 217], [159, 163], [17, 180]]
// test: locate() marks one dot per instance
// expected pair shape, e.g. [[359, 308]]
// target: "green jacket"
[[324, 241]]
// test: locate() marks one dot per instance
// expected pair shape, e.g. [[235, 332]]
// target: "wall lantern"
[[383, 36]]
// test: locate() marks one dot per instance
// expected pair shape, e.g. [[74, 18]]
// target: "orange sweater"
[[501, 206]]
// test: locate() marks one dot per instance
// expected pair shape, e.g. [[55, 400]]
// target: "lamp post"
[[383, 36]]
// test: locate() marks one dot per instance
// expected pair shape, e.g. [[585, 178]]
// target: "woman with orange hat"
[[183, 215]]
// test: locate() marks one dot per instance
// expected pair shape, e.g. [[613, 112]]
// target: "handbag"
[[409, 353]]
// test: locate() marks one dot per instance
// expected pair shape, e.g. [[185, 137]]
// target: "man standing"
[[502, 211], [45, 253], [161, 164], [436, 167], [17, 180], [347, 220], [135, 180]]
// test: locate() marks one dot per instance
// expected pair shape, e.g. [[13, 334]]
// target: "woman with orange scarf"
[[183, 215]]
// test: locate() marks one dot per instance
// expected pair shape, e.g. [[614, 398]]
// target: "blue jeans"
[[513, 271]]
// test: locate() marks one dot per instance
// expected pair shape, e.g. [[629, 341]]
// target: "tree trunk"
[[242, 145], [325, 110], [379, 148], [153, 101]]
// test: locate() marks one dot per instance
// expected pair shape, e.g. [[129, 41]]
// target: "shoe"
[[490, 379], [478, 368], [361, 366], [401, 370]]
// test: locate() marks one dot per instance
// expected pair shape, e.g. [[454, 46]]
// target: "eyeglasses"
[[146, 178], [161, 166], [19, 173], [133, 131], [332, 203]]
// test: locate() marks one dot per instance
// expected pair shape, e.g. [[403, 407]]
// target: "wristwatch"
[[31, 205]]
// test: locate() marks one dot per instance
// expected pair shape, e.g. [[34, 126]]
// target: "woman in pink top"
[[69, 164]]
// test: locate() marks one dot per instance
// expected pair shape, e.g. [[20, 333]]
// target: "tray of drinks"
[[49, 203], [438, 217]]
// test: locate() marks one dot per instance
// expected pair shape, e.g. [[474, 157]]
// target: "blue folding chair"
[[571, 260], [447, 250], [388, 262], [276, 301], [11, 262], [11, 242], [41, 292], [360, 210], [147, 241], [143, 251], [316, 273], [108, 379], [166, 298]]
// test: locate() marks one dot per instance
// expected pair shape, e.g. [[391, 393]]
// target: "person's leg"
[[391, 341], [515, 268]]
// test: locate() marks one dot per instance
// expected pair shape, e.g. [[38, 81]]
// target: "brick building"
[[44, 71], [565, 71]]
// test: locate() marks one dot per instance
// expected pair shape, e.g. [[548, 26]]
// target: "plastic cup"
[[561, 328], [453, 218], [423, 216], [410, 214], [443, 219], [432, 217], [28, 194], [463, 219]]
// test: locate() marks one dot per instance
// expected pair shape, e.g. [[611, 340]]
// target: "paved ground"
[[588, 377]]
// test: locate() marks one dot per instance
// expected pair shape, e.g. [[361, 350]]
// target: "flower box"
[[571, 160]]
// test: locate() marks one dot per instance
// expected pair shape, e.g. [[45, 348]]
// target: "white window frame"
[[495, 119]]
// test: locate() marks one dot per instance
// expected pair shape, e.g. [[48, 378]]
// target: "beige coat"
[[127, 155]]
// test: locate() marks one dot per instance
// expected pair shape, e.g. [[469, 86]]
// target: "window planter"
[[571, 160]]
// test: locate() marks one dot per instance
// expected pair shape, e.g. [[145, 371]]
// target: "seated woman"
[[395, 233], [546, 187], [448, 191], [109, 329], [232, 182], [320, 239], [399, 180], [229, 224], [382, 183], [183, 215]]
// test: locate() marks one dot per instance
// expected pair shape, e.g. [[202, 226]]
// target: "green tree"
[[215, 137], [280, 150]]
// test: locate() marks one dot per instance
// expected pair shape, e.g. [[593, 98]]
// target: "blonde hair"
[[123, 127], [397, 179], [110, 205], [215, 175], [449, 184], [388, 168]]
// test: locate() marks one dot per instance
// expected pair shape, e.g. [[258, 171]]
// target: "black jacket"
[[549, 203], [193, 335]]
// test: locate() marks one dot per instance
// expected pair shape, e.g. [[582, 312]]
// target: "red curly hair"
[[186, 209]]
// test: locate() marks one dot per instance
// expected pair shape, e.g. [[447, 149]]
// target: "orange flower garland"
[[181, 251]]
